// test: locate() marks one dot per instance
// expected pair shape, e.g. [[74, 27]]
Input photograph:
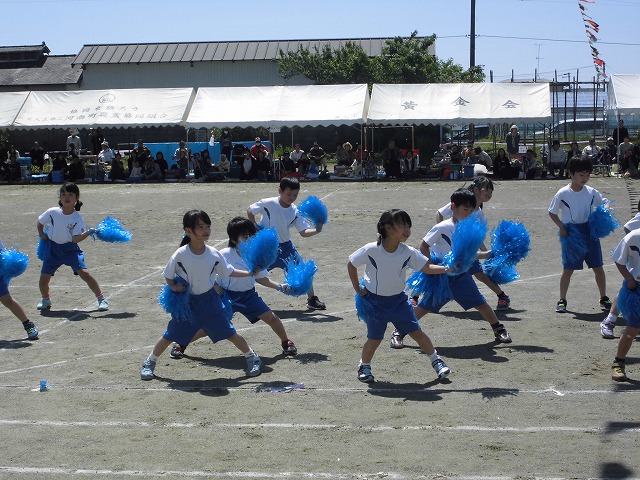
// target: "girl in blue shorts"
[[244, 298], [381, 295], [64, 231], [197, 263]]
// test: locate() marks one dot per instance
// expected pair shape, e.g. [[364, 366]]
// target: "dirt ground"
[[542, 407]]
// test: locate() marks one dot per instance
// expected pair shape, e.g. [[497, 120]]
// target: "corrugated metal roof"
[[213, 51]]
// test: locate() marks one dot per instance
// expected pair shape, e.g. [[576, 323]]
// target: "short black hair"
[[580, 164], [291, 183], [238, 227], [463, 197]]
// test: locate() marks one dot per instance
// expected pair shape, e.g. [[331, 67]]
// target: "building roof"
[[211, 51], [23, 55], [54, 70]]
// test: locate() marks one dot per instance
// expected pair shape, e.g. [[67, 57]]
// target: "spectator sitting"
[[629, 163], [483, 158], [224, 166], [313, 173], [37, 156], [75, 170], [117, 169], [341, 155], [356, 168], [502, 167], [10, 169], [391, 160], [410, 163], [530, 165], [556, 159], [303, 164], [152, 170], [263, 166], [182, 156], [288, 167], [136, 171], [59, 163], [247, 168], [591, 151], [162, 164], [258, 147], [318, 156]]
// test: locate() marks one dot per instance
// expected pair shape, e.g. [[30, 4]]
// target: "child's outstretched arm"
[[267, 282], [432, 269], [41, 233], [631, 282], [83, 235], [251, 216], [310, 232], [243, 273]]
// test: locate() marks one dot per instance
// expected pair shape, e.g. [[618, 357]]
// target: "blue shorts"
[[382, 308], [475, 268], [248, 303], [63, 254], [464, 290], [593, 258], [208, 314], [286, 251], [4, 287], [632, 316]]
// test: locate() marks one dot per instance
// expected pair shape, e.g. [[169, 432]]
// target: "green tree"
[[402, 60]]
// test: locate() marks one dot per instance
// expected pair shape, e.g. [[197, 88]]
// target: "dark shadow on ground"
[[79, 315], [588, 317], [488, 352], [420, 392], [15, 344], [315, 316], [615, 470], [217, 387], [617, 427]]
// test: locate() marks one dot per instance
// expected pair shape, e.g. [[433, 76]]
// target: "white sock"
[[434, 356], [249, 353], [611, 318], [364, 363], [152, 357]]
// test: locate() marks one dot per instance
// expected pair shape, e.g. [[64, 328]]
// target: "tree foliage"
[[402, 60]]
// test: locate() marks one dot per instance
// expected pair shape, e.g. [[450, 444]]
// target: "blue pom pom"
[[177, 303], [602, 222], [364, 309], [314, 210], [574, 245], [511, 240], [299, 276], [417, 283], [500, 270], [260, 250], [629, 301], [467, 239], [43, 249], [111, 230], [12, 263]]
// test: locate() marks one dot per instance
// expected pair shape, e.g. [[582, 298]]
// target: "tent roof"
[[460, 103], [102, 108], [279, 106], [623, 96], [10, 104]]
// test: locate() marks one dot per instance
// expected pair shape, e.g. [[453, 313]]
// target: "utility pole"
[[538, 60], [472, 36]]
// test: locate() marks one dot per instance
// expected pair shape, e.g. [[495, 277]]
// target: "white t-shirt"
[[106, 156], [276, 216], [634, 223], [198, 270], [628, 253], [575, 207], [62, 228], [440, 236], [237, 284], [384, 272]]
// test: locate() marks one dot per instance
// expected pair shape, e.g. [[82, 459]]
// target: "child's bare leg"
[[91, 282], [14, 307], [601, 280], [43, 284], [626, 339], [565, 280], [369, 349], [420, 312], [423, 341], [160, 346], [275, 323], [488, 314], [240, 343], [484, 278]]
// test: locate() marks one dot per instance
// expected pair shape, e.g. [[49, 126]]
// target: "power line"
[[556, 40]]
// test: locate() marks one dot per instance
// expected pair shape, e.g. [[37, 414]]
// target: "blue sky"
[[523, 35]]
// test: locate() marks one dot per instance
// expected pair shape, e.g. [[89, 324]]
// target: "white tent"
[[279, 106], [10, 104], [623, 96], [105, 108], [460, 103]]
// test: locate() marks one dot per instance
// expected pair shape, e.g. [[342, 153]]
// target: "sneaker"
[[103, 305], [606, 329], [605, 303], [617, 372], [289, 348], [32, 330], [44, 304], [561, 306], [253, 365], [501, 334], [397, 340], [503, 303], [146, 372], [364, 374], [315, 304], [177, 351], [441, 368]]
